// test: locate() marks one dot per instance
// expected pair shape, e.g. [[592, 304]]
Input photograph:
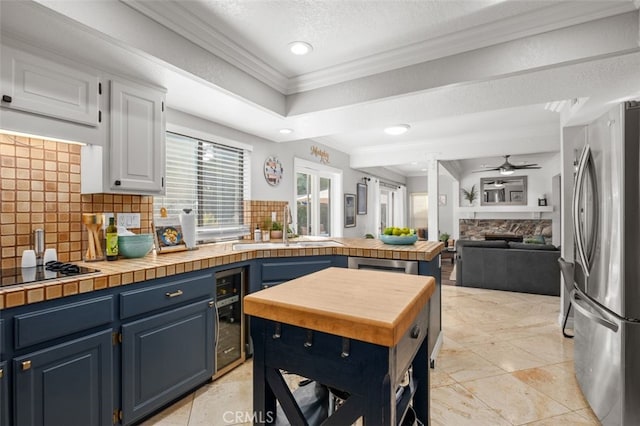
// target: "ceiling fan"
[[507, 168]]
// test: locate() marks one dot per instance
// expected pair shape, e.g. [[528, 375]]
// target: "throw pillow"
[[536, 239]]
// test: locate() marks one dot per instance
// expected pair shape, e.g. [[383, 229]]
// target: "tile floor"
[[504, 362]]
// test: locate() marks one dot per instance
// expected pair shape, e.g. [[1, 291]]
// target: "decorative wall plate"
[[273, 170]]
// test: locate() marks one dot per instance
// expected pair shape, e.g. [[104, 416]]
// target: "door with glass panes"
[[313, 203]]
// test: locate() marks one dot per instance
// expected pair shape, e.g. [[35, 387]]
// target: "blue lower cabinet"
[[66, 384], [4, 403], [164, 356]]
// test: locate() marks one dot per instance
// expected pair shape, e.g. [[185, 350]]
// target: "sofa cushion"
[[483, 243], [525, 246]]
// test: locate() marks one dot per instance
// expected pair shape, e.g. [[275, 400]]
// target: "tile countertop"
[[129, 271]]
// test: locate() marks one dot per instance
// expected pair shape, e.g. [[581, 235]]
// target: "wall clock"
[[273, 170]]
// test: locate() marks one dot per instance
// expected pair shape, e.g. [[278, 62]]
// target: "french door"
[[316, 198]]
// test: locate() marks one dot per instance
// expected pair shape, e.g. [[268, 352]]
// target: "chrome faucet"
[[285, 222]]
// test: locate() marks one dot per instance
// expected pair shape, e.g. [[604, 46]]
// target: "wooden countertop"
[[153, 265], [372, 306]]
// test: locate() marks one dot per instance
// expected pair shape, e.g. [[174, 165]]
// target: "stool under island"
[[360, 333]]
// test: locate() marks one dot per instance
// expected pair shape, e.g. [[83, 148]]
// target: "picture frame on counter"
[[349, 210], [362, 198], [167, 235]]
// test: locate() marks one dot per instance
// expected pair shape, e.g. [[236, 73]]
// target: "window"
[[317, 207], [209, 178]]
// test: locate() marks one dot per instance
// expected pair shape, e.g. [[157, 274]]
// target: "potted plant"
[[444, 237], [276, 230], [471, 194], [266, 229]]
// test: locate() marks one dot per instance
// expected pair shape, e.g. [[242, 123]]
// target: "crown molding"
[[553, 17], [184, 22]]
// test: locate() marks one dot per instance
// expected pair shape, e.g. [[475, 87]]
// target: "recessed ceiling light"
[[286, 131], [300, 47], [397, 129]]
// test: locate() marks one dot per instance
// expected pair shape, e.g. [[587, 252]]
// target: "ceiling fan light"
[[506, 172]]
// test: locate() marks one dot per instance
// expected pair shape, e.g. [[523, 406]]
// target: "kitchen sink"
[[281, 245]]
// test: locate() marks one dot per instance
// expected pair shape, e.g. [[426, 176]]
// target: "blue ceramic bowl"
[[398, 240], [132, 246]]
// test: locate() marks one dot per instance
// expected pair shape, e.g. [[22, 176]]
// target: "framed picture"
[[362, 198], [442, 200], [349, 210], [542, 201], [516, 196], [168, 234]]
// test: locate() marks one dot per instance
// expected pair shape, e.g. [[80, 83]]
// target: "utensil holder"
[[95, 250]]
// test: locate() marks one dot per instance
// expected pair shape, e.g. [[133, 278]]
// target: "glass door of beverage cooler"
[[229, 320]]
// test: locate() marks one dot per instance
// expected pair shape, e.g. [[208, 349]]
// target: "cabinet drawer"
[[408, 346], [283, 271], [169, 293], [48, 324]]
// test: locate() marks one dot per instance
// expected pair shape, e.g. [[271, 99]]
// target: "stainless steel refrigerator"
[[606, 273]]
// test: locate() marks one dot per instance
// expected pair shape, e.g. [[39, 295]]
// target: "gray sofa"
[[498, 265]]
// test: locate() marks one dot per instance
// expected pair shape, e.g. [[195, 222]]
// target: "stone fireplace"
[[511, 229]]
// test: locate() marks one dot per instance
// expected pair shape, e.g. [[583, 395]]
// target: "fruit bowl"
[[399, 240], [133, 246]]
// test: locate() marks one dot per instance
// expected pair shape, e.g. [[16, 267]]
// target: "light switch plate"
[[129, 220], [105, 220]]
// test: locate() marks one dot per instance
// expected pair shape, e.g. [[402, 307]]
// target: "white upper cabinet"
[[42, 86], [137, 139]]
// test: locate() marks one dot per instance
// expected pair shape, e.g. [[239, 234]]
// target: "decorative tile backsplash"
[[40, 188], [256, 212]]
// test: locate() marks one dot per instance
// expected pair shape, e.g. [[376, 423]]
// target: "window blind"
[[211, 179]]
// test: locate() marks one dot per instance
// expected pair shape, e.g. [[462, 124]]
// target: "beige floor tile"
[[508, 357], [569, 419], [456, 406], [556, 382], [177, 414], [514, 400], [552, 347], [589, 415], [225, 404], [463, 365], [467, 335], [438, 378]]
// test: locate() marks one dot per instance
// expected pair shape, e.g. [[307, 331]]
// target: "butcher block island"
[[359, 333]]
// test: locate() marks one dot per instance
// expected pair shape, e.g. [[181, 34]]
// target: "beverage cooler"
[[230, 323]]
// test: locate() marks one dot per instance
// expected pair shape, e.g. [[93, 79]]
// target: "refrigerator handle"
[[579, 305], [582, 165]]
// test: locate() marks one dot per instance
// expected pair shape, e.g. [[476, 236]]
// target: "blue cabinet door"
[[66, 384], [4, 402], [164, 356]]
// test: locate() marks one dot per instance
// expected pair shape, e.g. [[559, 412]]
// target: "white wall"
[[446, 213]]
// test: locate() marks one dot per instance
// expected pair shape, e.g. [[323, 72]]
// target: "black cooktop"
[[50, 271]]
